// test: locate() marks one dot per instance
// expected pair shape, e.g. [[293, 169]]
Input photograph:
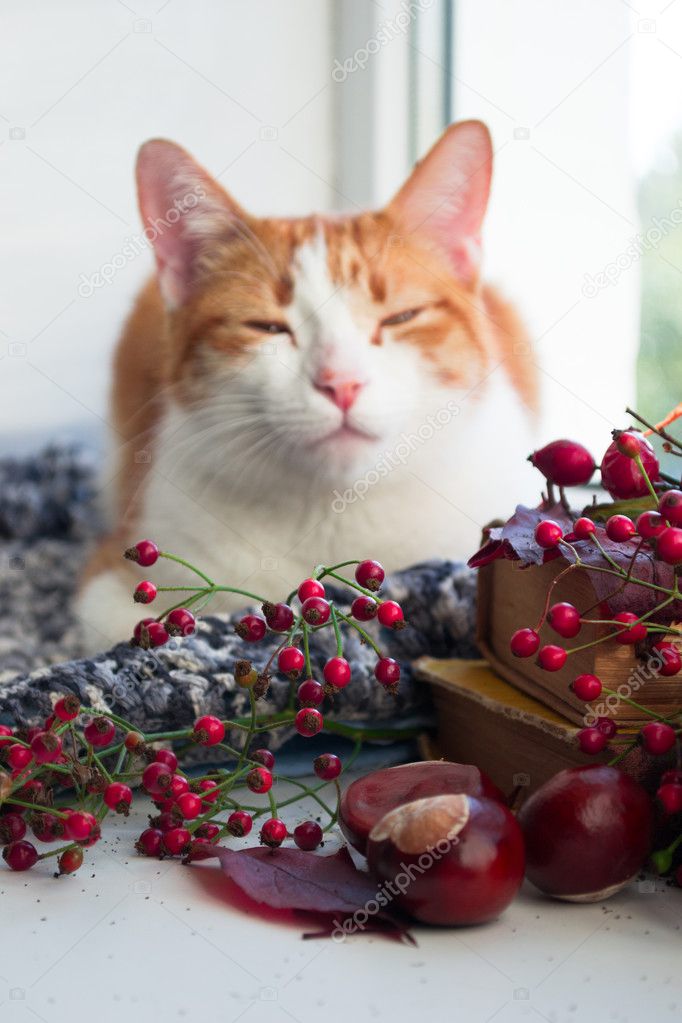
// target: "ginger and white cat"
[[297, 391]]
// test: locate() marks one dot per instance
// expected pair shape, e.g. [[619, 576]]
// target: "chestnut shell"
[[588, 831], [470, 879], [368, 799]]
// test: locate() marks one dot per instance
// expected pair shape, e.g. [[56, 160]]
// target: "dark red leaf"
[[518, 534], [293, 879]]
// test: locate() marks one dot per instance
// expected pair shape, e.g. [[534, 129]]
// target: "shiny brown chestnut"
[[588, 831], [451, 860], [366, 800]]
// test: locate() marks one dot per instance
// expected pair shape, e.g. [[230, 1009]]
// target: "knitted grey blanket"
[[47, 521]]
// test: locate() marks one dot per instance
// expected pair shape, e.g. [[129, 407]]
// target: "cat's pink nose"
[[343, 393]]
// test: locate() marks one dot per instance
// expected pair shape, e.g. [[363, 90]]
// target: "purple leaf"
[[293, 879]]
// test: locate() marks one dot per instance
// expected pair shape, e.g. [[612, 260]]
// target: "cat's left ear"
[[444, 200]]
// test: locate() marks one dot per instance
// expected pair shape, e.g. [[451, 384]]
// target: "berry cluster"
[[59, 781], [630, 472]]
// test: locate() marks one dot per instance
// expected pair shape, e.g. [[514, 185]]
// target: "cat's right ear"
[[184, 211]]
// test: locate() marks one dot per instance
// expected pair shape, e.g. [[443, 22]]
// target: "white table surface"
[[133, 939]]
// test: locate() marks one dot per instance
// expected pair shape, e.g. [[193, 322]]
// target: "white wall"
[[245, 86], [553, 82]]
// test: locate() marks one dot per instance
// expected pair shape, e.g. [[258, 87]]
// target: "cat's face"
[[317, 342]]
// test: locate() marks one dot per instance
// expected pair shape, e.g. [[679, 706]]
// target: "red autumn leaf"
[[293, 879], [516, 541]]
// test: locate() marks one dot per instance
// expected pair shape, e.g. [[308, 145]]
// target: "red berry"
[[657, 737], [337, 672], [264, 757], [67, 708], [551, 658], [327, 766], [20, 855], [209, 790], [387, 671], [70, 860], [592, 741], [239, 823], [251, 628], [145, 553], [620, 528], [634, 633], [47, 827], [208, 830], [315, 611], [154, 634], [208, 730], [46, 747], [181, 622], [583, 528], [80, 825], [369, 574], [19, 757], [167, 757], [178, 786], [118, 797], [279, 617], [671, 662], [273, 832], [587, 687], [145, 592], [310, 693], [100, 732], [156, 778], [564, 462], [12, 828], [390, 614], [133, 741], [548, 533], [670, 797], [259, 780], [363, 609], [607, 726], [189, 805], [291, 662], [524, 643], [308, 722], [669, 545], [176, 840], [650, 525], [308, 835], [619, 472], [565, 619], [6, 735], [150, 842], [310, 588], [140, 630], [670, 507]]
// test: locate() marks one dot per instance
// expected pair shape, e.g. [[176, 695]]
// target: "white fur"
[[245, 485]]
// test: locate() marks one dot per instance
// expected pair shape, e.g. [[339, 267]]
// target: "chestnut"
[[450, 860], [588, 831], [366, 800]]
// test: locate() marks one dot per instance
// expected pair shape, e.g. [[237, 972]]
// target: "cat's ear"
[[184, 211], [444, 200]]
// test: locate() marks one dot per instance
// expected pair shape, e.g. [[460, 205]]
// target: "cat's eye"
[[404, 317], [268, 326]]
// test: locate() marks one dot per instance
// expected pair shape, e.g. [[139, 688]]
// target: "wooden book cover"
[[514, 738]]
